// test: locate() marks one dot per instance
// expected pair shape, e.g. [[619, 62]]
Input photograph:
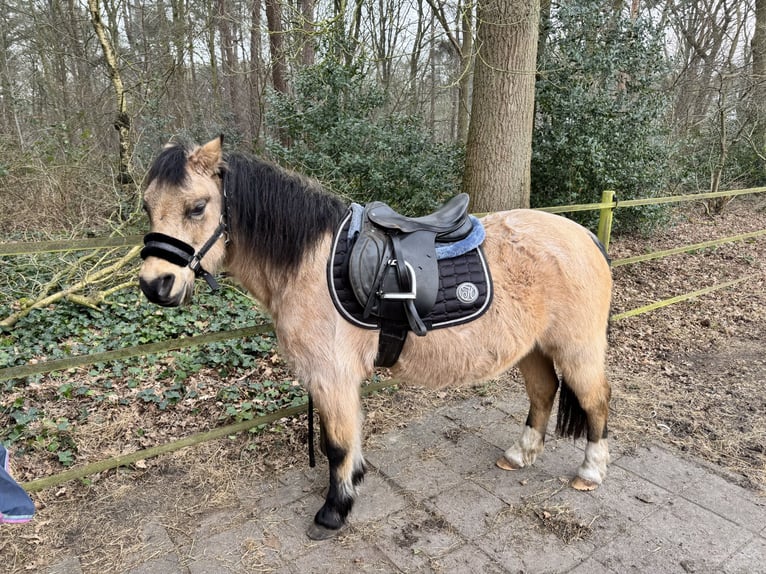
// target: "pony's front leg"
[[340, 416]]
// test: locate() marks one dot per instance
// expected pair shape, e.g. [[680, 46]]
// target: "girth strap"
[[390, 344]]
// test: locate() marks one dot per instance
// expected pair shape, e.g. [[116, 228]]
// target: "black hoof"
[[319, 532]]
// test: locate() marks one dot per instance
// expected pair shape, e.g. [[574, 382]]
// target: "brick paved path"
[[433, 501]]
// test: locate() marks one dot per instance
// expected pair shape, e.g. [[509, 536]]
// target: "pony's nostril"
[[164, 285], [146, 288], [157, 290]]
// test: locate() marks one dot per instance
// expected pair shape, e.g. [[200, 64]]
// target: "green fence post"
[[605, 219]]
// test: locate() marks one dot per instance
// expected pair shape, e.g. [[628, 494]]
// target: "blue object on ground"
[[15, 504]]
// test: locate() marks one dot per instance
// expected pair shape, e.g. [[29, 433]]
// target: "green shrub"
[[336, 128], [600, 112]]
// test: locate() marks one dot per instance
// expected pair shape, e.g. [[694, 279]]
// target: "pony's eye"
[[198, 210]]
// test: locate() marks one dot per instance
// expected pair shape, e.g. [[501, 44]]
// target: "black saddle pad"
[[465, 286]]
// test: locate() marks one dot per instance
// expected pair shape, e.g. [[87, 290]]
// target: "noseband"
[[181, 253]]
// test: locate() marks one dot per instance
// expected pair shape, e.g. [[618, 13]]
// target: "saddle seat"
[[450, 222]]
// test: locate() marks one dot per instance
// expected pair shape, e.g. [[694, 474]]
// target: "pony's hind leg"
[[340, 417], [583, 410], [541, 383]]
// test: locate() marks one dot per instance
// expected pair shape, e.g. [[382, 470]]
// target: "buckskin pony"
[[273, 231]]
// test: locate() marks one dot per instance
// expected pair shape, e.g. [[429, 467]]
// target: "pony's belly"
[[458, 356]]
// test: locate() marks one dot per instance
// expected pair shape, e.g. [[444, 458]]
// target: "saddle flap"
[[371, 251], [392, 275]]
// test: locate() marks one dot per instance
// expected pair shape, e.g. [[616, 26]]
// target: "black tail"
[[572, 420]]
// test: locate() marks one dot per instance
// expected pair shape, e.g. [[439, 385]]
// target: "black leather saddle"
[[450, 222], [393, 267], [397, 274]]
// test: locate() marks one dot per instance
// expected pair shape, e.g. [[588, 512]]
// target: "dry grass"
[[42, 198], [691, 375]]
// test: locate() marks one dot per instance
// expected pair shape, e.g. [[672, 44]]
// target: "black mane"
[[170, 166], [275, 214]]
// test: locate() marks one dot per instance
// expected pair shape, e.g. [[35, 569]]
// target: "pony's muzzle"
[[159, 290]]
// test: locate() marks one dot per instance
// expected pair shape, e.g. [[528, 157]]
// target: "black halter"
[[181, 253]]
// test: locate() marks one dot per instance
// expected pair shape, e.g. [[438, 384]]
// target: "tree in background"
[[600, 108], [338, 127], [499, 146], [716, 86], [758, 78], [122, 122]]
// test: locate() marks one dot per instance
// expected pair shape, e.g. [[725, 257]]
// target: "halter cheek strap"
[[181, 253]]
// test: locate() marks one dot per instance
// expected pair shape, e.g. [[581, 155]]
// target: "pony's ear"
[[207, 158]]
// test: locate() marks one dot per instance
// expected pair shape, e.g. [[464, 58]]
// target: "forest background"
[[374, 98]]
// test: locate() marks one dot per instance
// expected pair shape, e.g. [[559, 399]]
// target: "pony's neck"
[[279, 221], [277, 289]]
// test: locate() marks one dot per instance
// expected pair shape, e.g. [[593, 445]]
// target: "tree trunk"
[[122, 119], [254, 77], [758, 50], [179, 84], [308, 49], [432, 79], [229, 59], [417, 46], [758, 44], [715, 176], [80, 69], [466, 61], [10, 119], [276, 46], [462, 44], [499, 147], [215, 79]]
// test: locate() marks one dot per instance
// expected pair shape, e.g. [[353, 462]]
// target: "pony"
[[272, 230]]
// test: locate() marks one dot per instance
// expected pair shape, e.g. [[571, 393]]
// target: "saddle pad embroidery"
[[456, 275]]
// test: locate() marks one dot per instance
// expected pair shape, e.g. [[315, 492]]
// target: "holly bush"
[[600, 117]]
